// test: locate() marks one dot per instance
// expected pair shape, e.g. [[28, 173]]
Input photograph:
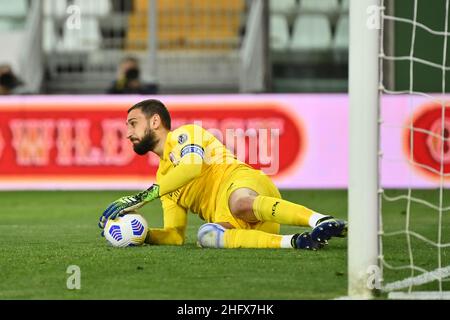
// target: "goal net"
[[399, 219], [414, 225]]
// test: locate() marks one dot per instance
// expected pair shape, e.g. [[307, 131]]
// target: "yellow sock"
[[281, 211], [245, 238]]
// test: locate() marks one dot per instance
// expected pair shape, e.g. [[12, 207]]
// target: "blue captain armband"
[[192, 148]]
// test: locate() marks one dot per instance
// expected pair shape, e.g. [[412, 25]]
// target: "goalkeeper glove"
[[128, 203]]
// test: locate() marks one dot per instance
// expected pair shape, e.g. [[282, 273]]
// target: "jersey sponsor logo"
[[427, 146], [182, 138], [192, 148]]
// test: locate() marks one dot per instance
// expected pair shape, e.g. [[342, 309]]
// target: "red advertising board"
[[300, 140], [69, 141]]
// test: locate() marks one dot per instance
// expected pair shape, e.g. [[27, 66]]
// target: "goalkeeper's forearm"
[[178, 177], [175, 179]]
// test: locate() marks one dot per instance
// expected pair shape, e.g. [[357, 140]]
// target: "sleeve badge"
[[182, 138]]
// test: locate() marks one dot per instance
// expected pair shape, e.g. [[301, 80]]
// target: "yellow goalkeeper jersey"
[[199, 194]]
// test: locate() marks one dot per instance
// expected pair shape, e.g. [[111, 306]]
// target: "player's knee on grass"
[[211, 235]]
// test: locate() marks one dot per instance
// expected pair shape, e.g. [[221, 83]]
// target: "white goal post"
[[363, 146], [368, 233]]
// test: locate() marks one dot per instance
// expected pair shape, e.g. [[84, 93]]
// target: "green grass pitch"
[[42, 233]]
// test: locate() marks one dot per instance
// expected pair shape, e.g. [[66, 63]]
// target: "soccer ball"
[[127, 230]]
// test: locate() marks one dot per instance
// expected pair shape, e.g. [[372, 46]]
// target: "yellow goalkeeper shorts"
[[255, 180]]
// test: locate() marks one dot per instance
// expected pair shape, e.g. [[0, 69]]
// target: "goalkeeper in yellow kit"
[[241, 206]]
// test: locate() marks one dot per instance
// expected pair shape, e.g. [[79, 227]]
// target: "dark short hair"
[[152, 106]]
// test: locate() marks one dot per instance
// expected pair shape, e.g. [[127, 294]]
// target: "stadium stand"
[[54, 8], [94, 8], [345, 6], [195, 37], [12, 15], [279, 32], [86, 38], [311, 33], [341, 39], [185, 25], [199, 43], [13, 9], [322, 6], [283, 7], [315, 58]]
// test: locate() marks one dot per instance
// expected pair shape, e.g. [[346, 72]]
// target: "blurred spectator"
[[122, 5], [9, 83], [128, 79]]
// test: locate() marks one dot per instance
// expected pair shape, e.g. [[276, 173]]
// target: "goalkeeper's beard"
[[147, 143]]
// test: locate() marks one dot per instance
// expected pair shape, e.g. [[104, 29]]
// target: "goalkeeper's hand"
[[128, 203]]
